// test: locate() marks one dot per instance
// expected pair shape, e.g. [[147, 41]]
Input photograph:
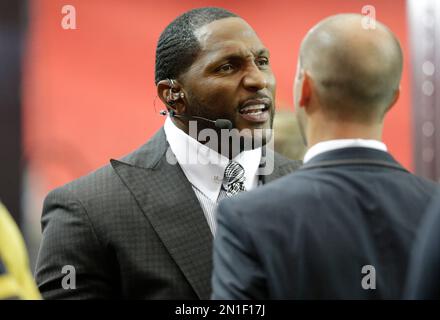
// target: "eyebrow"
[[240, 55], [263, 51]]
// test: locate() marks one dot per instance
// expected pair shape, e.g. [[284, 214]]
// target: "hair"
[[178, 47]]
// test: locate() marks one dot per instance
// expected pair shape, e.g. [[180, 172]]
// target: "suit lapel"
[[281, 166], [170, 205], [167, 200]]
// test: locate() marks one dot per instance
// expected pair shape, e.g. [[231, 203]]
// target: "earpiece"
[[174, 95]]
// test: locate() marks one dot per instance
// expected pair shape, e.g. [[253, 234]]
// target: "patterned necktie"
[[233, 181]]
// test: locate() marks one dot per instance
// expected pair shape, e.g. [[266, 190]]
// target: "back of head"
[[177, 47], [355, 70]]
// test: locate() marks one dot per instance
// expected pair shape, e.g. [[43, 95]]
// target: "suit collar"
[[353, 155], [205, 167], [335, 144], [149, 155]]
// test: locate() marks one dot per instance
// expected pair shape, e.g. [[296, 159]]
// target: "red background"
[[88, 93]]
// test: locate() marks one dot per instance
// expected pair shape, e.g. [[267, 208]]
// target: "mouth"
[[256, 110]]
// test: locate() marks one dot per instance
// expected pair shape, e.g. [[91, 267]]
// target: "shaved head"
[[355, 71]]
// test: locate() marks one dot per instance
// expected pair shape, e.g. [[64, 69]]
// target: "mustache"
[[257, 99]]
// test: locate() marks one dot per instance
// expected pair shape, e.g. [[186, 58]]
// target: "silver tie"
[[233, 180]]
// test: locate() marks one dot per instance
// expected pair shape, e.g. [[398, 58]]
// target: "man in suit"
[[342, 226], [424, 273], [142, 227]]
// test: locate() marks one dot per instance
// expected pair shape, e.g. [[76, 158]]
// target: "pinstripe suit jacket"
[[133, 229]]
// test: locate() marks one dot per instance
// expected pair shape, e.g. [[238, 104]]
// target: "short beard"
[[198, 109]]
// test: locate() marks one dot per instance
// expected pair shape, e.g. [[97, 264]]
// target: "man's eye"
[[226, 68], [262, 62]]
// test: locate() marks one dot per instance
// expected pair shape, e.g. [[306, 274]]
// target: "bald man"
[[342, 226]]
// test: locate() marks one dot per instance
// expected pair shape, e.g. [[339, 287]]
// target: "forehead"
[[225, 36]]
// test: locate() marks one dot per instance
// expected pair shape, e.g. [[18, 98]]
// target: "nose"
[[255, 79]]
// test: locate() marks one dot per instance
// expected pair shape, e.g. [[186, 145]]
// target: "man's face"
[[231, 77]]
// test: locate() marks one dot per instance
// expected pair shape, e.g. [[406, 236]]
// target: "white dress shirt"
[[329, 145], [204, 168]]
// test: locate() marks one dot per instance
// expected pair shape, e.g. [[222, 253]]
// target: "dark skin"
[[231, 69]]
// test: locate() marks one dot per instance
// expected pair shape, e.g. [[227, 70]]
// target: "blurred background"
[[72, 98]]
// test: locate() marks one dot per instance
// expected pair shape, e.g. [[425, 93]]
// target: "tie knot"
[[233, 181]]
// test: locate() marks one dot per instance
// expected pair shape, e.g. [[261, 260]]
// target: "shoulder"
[[425, 185], [97, 184], [104, 183]]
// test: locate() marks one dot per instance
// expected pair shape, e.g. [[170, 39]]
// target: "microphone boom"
[[219, 123]]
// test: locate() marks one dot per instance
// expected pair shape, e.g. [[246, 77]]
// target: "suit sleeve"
[[424, 273], [71, 262], [238, 273]]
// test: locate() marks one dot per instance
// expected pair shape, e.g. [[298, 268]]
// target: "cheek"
[[271, 83], [220, 97], [211, 99]]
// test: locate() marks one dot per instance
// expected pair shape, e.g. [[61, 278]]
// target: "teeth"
[[256, 109]]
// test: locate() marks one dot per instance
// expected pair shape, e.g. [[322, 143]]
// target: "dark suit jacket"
[[133, 229], [424, 274], [309, 234]]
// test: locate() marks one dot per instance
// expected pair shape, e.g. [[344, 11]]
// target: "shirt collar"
[[204, 167], [329, 145]]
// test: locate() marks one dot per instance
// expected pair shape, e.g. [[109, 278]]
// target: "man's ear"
[[306, 91], [163, 91], [396, 97], [393, 102], [170, 94]]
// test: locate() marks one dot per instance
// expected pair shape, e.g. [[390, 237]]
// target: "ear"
[[163, 91], [171, 95], [393, 102], [396, 97], [305, 91]]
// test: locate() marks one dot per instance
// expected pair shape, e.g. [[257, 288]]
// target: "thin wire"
[[154, 105]]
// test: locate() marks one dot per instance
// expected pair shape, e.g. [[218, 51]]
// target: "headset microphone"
[[223, 124], [219, 123]]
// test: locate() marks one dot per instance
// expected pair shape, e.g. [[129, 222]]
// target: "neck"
[[320, 131]]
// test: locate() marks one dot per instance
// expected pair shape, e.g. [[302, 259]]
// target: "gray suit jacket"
[[133, 229]]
